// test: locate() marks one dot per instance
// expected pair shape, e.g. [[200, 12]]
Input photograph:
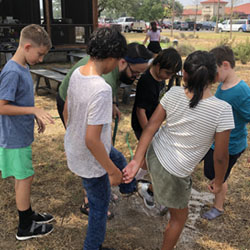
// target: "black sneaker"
[[42, 217], [35, 230], [106, 248]]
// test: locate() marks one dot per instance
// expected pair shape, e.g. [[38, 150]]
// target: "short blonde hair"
[[35, 34]]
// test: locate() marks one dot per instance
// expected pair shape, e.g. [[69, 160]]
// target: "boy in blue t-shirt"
[[237, 93], [17, 114]]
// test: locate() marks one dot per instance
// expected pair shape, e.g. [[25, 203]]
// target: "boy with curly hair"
[[88, 116]]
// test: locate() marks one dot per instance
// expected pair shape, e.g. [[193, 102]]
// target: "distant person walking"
[[154, 36]]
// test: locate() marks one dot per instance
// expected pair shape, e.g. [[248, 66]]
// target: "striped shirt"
[[189, 132]]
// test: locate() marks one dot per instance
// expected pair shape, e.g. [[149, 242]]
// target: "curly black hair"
[[107, 42]]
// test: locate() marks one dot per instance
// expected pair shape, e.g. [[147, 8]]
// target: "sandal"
[[85, 210], [211, 214]]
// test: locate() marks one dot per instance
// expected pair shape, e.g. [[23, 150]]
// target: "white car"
[[237, 25]]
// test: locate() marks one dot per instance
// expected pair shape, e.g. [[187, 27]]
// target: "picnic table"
[[47, 75], [61, 70], [77, 55]]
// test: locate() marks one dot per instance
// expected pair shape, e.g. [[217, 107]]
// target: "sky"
[[192, 2]]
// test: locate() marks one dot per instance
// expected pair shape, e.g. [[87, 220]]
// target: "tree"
[[168, 6]]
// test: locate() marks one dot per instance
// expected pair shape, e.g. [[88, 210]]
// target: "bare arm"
[[41, 116], [145, 40], [221, 157], [65, 112], [96, 147], [153, 125], [142, 118]]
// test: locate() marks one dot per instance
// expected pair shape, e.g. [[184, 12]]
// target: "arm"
[[153, 125], [221, 157], [65, 112], [96, 147], [142, 118], [41, 116], [115, 110], [145, 40]]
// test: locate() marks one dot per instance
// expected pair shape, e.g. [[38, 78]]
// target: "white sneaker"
[[147, 198]]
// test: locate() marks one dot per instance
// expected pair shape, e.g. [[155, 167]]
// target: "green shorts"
[[169, 190], [16, 162]]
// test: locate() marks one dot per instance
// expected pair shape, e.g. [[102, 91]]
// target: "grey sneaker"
[[147, 197]]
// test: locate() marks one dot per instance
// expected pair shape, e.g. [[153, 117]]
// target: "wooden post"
[[231, 18], [47, 16], [95, 13], [172, 18], [217, 16]]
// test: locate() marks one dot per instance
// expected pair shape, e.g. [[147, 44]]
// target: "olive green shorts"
[[16, 162], [169, 190]]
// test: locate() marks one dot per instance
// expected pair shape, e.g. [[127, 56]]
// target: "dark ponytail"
[[200, 67], [153, 26]]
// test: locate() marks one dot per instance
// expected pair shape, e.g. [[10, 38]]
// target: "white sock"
[[141, 173]]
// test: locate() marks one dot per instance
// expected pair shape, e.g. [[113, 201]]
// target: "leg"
[[174, 228], [220, 197], [98, 192], [22, 189]]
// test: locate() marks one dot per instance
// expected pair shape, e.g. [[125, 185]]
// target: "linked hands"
[[130, 171]]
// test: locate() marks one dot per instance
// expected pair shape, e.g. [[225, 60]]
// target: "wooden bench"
[[77, 55], [61, 70], [48, 75]]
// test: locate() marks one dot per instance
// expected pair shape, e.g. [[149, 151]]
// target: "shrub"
[[242, 51], [226, 41], [165, 39], [182, 35], [185, 49]]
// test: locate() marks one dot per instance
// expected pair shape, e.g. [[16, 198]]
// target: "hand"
[[41, 126], [115, 178], [214, 187], [130, 171], [43, 116], [116, 112]]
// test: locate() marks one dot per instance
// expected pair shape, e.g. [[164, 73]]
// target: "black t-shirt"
[[148, 93]]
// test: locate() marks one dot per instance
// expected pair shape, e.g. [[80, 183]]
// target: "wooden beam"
[[47, 16], [95, 13]]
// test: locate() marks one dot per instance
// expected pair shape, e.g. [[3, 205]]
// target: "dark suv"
[[191, 25]]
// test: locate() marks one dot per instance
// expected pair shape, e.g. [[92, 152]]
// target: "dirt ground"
[[134, 227]]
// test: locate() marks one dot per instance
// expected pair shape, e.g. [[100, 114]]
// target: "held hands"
[[42, 118], [130, 171], [214, 187]]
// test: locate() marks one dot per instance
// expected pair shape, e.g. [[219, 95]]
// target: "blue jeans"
[[119, 160], [98, 193]]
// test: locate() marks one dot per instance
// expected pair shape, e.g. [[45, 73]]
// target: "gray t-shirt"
[[189, 132], [16, 86], [89, 103]]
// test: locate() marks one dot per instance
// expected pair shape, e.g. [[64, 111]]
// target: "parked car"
[[237, 25], [208, 25], [138, 26], [166, 25], [191, 25], [183, 26], [176, 25], [108, 22]]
